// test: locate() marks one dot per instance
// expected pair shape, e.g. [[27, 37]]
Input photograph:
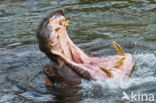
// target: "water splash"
[[142, 80]]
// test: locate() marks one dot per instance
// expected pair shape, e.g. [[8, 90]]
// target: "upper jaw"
[[57, 25]]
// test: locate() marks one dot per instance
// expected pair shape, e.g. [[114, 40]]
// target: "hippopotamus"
[[69, 64]]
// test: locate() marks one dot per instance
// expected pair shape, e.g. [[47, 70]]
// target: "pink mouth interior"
[[64, 46]]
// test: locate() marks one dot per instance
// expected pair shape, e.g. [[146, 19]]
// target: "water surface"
[[94, 25]]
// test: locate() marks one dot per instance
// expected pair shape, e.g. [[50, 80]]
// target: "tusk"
[[61, 21], [118, 49], [109, 74], [120, 62]]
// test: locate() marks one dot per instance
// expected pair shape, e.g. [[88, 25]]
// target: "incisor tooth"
[[118, 49], [109, 74], [64, 21], [66, 24], [67, 21], [61, 21]]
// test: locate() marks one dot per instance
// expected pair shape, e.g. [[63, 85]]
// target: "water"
[[94, 25]]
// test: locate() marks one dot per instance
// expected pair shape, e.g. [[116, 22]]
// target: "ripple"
[[37, 96]]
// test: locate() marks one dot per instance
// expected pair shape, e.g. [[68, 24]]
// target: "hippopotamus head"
[[47, 35], [44, 33], [70, 62]]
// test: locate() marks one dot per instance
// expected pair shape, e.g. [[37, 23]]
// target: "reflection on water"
[[94, 25]]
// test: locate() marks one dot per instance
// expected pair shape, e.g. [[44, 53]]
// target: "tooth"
[[118, 49], [64, 21], [61, 21], [51, 43], [67, 21], [120, 62], [109, 74], [66, 24], [69, 18], [58, 28]]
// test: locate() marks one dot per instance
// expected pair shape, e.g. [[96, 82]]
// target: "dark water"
[[94, 25]]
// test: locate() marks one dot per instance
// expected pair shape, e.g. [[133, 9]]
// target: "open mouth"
[[54, 40]]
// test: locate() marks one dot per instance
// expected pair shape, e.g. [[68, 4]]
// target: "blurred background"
[[93, 27]]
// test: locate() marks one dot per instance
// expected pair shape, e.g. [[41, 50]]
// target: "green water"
[[93, 27]]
